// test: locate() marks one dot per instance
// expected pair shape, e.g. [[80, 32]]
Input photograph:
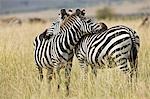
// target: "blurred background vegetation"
[[102, 8], [105, 13]]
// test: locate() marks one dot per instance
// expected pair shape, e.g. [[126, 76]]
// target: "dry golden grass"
[[18, 73]]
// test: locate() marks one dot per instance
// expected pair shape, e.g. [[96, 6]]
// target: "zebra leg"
[[133, 73], [133, 59], [84, 69], [40, 73], [49, 75], [122, 64], [136, 69], [67, 76], [94, 70], [84, 77], [59, 78], [93, 79]]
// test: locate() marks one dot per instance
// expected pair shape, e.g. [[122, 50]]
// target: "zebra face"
[[40, 38]]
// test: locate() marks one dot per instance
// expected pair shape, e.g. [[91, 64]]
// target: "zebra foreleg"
[[59, 78], [94, 70], [94, 79], [67, 76], [40, 73], [49, 76]]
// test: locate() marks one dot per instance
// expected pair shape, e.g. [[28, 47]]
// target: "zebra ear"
[[44, 33], [83, 12], [78, 12], [63, 13]]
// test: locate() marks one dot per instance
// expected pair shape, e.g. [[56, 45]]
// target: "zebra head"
[[99, 27], [82, 23]]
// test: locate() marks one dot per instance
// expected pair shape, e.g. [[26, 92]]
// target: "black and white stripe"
[[117, 46], [57, 51]]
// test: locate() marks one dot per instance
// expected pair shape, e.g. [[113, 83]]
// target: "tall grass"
[[18, 73]]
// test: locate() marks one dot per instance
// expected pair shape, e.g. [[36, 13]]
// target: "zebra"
[[50, 32], [56, 52], [117, 46]]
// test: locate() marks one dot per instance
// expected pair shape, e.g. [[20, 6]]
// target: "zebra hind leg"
[[67, 76], [134, 73], [136, 69], [122, 64], [133, 59]]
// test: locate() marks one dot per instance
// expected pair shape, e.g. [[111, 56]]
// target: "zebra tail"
[[133, 54]]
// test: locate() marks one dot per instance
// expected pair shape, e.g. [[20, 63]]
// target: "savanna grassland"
[[19, 75]]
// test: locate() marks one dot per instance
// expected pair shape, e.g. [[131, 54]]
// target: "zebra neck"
[[72, 36]]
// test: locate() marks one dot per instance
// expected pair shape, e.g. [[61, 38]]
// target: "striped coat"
[[57, 51], [114, 47]]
